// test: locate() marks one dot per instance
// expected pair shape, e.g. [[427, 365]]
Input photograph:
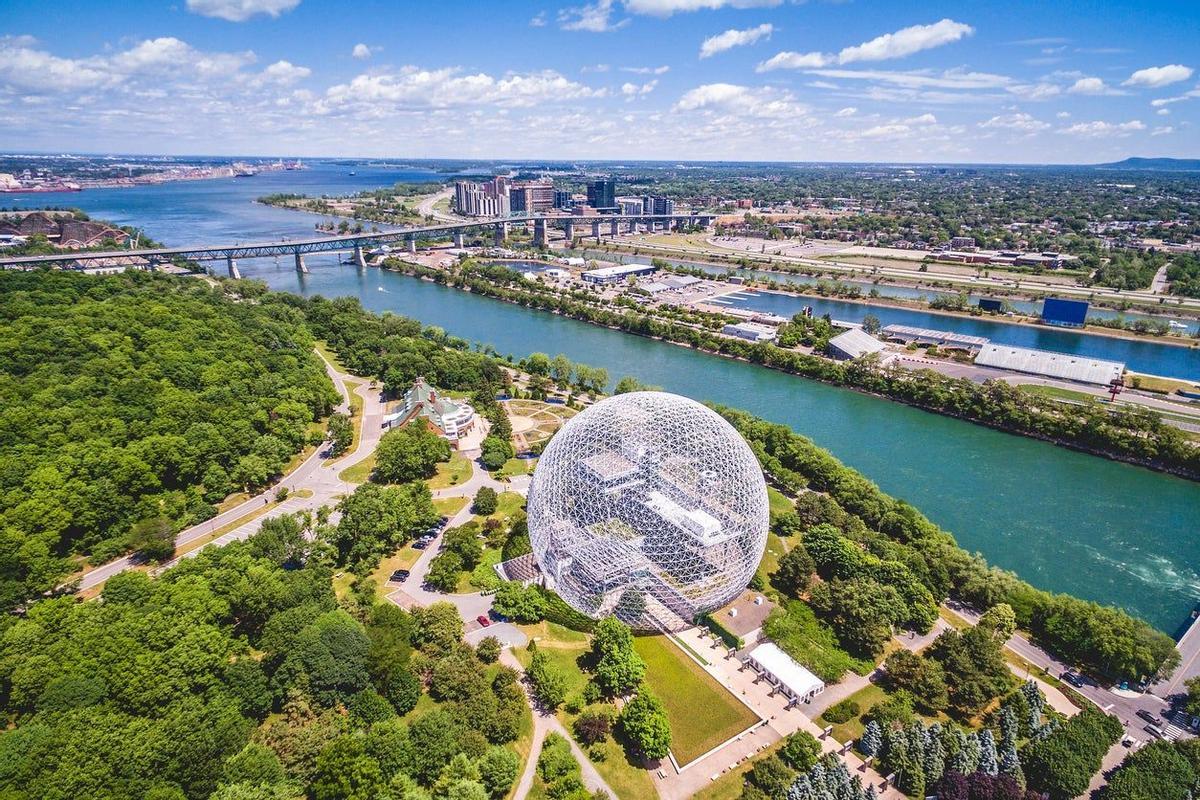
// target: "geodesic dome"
[[650, 506]]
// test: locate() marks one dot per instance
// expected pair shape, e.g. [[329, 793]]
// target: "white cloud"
[[539, 20], [1100, 129], [413, 86], [361, 51], [791, 60], [1163, 112], [889, 131], [665, 8], [284, 73], [1162, 131], [916, 79], [1016, 122], [848, 111], [240, 10], [734, 99], [906, 41], [734, 38], [923, 119], [1063, 115], [1154, 77], [1035, 91], [1091, 86], [24, 68], [632, 90], [647, 70], [903, 42], [594, 17]]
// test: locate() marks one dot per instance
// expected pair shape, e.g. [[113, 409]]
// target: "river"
[[1062, 520]]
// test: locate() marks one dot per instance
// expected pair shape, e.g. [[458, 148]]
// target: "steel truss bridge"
[[597, 226]]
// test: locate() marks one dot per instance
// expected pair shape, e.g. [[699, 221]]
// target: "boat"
[[351, 172], [1174, 324], [244, 171]]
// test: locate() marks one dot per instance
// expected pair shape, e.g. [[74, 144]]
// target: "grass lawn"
[[702, 712], [1057, 393], [1152, 383], [403, 558], [449, 506], [514, 467], [774, 551], [523, 744], [729, 785], [451, 473], [330, 356], [467, 584], [360, 472], [778, 501], [508, 505], [565, 658], [554, 634]]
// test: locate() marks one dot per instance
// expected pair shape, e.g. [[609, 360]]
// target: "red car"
[[483, 620]]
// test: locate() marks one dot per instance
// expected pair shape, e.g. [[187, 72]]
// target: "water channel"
[[1062, 520]]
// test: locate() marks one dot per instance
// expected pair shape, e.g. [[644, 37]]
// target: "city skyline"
[[747, 80]]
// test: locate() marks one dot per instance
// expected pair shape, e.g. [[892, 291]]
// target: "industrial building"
[[854, 343], [750, 331], [1052, 365], [1064, 313], [601, 194], [618, 273], [909, 334]]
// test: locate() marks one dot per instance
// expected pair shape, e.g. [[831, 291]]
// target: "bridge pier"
[[569, 231], [231, 264], [596, 229], [300, 266], [359, 259], [459, 240], [539, 233], [411, 244], [614, 227], [500, 233]]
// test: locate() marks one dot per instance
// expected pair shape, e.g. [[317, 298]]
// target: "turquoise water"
[[1062, 520]]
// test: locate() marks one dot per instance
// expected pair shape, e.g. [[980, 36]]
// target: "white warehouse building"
[[784, 673]]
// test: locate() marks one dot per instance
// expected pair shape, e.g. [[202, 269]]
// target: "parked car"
[[1155, 731], [1149, 717], [483, 620], [421, 544], [399, 576], [1073, 678]]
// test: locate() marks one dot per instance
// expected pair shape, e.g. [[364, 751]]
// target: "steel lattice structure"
[[650, 506]]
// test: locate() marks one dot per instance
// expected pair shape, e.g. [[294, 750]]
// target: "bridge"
[[608, 224]]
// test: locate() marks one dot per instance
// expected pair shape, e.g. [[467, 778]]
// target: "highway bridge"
[[597, 226]]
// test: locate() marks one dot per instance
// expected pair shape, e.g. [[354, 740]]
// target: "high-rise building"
[[631, 206], [562, 199], [602, 193], [486, 199], [657, 205]]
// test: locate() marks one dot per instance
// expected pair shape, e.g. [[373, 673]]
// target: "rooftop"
[[856, 342], [1050, 364], [793, 675], [750, 616]]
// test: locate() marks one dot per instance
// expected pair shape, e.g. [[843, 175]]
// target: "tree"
[[488, 649], [871, 324], [871, 740], [494, 452], [999, 621], [255, 763], [498, 770], [439, 628], [378, 519], [771, 776], [548, 682], [408, 454], [593, 725], [800, 751], [346, 772], [795, 572], [519, 603], [618, 667], [644, 721], [1062, 764], [560, 369], [1192, 704], [444, 571], [485, 502], [340, 433], [153, 539], [922, 677]]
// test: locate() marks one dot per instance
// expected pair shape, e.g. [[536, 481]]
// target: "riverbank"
[[1096, 431]]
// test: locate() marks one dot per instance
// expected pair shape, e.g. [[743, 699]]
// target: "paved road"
[[426, 207]]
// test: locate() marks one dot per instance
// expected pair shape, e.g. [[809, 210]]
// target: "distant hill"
[[1161, 164]]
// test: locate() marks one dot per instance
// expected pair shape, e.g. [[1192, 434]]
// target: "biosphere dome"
[[650, 506]]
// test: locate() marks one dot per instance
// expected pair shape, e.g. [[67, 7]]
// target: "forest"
[[137, 397]]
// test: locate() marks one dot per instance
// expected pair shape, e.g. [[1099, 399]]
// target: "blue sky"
[[1007, 82]]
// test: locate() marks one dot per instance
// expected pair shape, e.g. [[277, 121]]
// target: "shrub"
[[842, 712]]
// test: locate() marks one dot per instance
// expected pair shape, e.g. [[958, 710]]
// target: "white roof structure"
[[785, 670], [619, 270], [854, 343], [1050, 364], [939, 337]]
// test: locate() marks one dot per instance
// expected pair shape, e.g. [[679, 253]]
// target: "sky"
[[739, 80]]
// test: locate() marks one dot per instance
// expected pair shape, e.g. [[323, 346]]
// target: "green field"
[[451, 473], [701, 711]]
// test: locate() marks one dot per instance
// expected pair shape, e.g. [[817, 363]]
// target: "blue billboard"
[[1072, 313]]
